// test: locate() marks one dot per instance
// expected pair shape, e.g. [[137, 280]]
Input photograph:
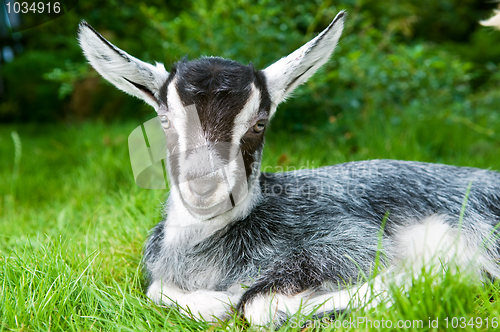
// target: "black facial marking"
[[265, 99], [249, 145], [219, 89], [251, 142]]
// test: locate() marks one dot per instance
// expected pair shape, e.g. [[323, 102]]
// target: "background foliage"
[[392, 54]]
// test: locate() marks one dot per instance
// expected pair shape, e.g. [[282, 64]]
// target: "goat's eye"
[[259, 126], [165, 122]]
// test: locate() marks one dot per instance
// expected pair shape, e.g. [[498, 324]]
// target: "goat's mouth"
[[205, 199], [209, 195], [206, 213]]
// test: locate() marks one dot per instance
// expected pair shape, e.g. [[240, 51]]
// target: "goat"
[[293, 239]]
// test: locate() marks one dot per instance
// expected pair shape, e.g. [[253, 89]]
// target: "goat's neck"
[[182, 226]]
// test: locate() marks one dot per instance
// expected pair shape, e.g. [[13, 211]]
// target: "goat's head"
[[214, 112]]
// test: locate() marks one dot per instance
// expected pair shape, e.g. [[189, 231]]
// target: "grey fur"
[[329, 218]]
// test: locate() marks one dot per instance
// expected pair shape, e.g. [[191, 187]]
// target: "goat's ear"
[[286, 74], [493, 21], [127, 73]]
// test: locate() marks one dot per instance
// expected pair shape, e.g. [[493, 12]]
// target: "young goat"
[[294, 239]]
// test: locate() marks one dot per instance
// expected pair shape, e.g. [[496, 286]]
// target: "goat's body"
[[294, 239], [319, 227]]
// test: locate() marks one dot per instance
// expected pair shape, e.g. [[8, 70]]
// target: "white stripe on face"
[[248, 113], [179, 117], [188, 127]]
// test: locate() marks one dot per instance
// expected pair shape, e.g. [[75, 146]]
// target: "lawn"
[[73, 222]]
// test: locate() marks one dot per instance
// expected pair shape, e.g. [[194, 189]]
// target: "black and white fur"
[[493, 21], [296, 239]]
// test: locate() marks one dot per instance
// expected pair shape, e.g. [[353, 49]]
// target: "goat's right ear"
[[286, 74], [493, 21], [127, 73]]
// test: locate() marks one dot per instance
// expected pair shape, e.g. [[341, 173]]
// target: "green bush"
[[392, 54], [28, 97]]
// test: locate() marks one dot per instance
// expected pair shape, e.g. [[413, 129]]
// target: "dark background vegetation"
[[394, 56]]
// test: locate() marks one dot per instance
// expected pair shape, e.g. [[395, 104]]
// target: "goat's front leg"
[[205, 304], [282, 290], [270, 301], [270, 307], [262, 305], [293, 284]]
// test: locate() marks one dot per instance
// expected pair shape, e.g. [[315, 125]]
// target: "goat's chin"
[[207, 214], [207, 209]]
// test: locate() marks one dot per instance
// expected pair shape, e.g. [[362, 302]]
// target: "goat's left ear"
[[127, 73], [493, 21], [286, 74]]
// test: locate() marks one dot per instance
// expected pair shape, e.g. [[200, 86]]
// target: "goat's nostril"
[[203, 187]]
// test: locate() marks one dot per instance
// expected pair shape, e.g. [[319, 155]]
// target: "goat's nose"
[[203, 186]]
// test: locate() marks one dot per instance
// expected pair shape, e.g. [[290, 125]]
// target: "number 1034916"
[[477, 322], [33, 7]]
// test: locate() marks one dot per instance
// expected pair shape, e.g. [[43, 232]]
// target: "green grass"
[[73, 222]]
